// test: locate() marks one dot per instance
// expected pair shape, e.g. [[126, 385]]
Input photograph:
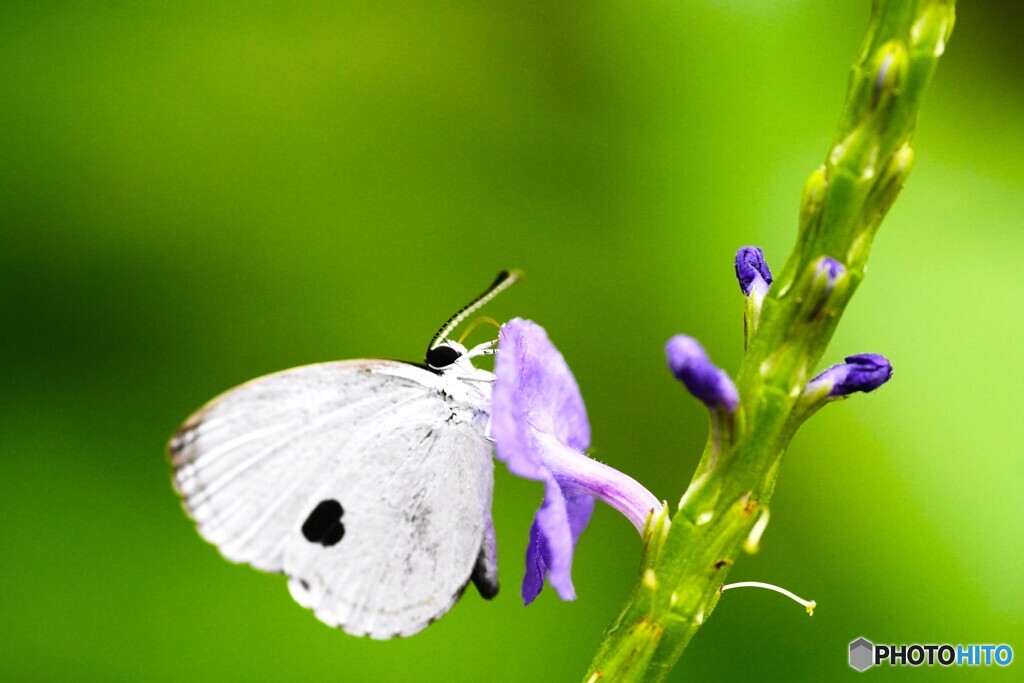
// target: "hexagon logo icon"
[[862, 654]]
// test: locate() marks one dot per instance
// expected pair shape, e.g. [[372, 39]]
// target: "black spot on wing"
[[324, 525]]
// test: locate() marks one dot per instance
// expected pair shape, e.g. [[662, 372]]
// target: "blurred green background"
[[193, 194]]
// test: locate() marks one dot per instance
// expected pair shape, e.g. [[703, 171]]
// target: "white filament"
[[809, 605]]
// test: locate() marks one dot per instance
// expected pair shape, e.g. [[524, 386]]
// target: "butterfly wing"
[[361, 480]]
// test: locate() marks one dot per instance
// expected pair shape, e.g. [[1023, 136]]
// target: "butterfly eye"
[[442, 356]]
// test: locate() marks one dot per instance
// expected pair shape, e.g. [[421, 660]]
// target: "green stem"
[[685, 563]]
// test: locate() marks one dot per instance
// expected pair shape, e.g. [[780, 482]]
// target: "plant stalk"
[[686, 562]]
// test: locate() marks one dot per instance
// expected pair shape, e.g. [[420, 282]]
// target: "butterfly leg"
[[484, 349]]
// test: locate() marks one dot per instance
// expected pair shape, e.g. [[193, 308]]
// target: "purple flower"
[[863, 372], [752, 271], [540, 429], [705, 380]]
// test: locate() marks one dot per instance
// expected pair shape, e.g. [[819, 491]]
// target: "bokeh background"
[[196, 193]]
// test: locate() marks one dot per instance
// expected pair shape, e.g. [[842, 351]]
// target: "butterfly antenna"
[[505, 279]]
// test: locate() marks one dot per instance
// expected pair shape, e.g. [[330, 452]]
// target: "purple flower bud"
[[752, 271], [828, 280], [827, 272], [830, 269], [863, 372], [705, 380]]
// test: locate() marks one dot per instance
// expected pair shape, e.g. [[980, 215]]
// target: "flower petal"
[[535, 388], [552, 542], [535, 399], [540, 428], [536, 567]]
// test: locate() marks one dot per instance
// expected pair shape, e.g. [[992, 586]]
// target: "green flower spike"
[[788, 328]]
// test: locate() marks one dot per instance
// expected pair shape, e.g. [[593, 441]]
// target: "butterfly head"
[[448, 354], [445, 354], [442, 352]]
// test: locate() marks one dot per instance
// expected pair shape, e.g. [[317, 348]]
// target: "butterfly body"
[[368, 483]]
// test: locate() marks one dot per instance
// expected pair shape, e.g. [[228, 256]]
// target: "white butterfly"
[[367, 482]]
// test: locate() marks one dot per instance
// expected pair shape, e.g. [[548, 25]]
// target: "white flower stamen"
[[809, 605]]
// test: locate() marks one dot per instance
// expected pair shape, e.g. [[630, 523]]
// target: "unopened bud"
[[932, 30], [813, 199], [752, 271], [862, 372], [890, 65], [705, 380], [828, 280]]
